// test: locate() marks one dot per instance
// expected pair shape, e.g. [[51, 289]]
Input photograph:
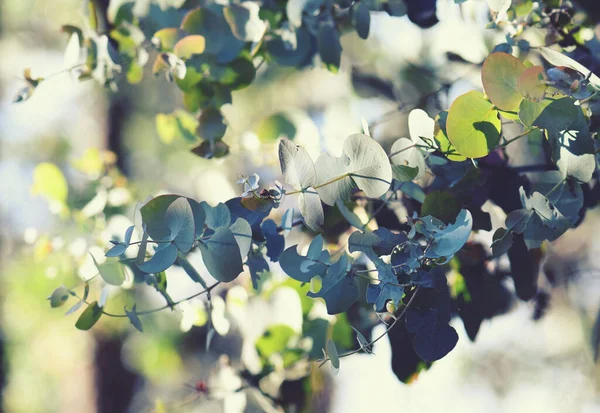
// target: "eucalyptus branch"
[[155, 310]]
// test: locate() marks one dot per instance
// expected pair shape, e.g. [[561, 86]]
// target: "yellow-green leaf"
[[473, 125], [49, 182], [189, 45], [500, 74]]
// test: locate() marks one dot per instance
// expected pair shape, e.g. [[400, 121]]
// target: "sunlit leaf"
[[244, 21], [500, 74], [473, 125], [559, 59], [296, 165], [177, 125], [364, 164], [243, 235], [404, 154], [49, 182], [111, 271], [532, 83]]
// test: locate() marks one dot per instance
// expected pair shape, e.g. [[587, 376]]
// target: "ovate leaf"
[[361, 19], [211, 124], [189, 46], [311, 209], [89, 317], [330, 48], [134, 319], [332, 353], [296, 165], [180, 221], [59, 297]]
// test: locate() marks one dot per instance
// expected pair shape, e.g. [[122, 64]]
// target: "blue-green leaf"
[[199, 217], [180, 221], [134, 319], [275, 241], [361, 19], [301, 268], [153, 215], [221, 255], [330, 48], [257, 264], [164, 256], [217, 216], [332, 353], [339, 288], [243, 235]]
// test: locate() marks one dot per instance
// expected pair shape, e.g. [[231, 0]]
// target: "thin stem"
[[555, 187], [339, 178], [60, 72], [387, 330], [190, 270], [155, 310], [527, 132], [523, 168], [378, 210], [365, 277]]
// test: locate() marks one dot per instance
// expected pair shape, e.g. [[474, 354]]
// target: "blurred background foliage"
[[103, 151]]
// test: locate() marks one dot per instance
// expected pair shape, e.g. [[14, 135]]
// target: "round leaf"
[[59, 297], [221, 255], [473, 125], [500, 75], [211, 124], [532, 84]]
